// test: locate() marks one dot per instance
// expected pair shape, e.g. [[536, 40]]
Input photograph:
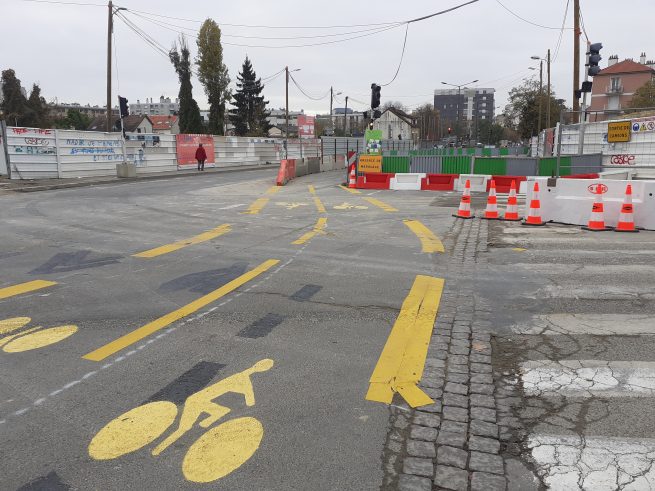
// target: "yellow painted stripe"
[[30, 286], [204, 237], [318, 228], [273, 189], [319, 204], [350, 190], [429, 242], [401, 363], [256, 207], [156, 325], [311, 189], [381, 204]]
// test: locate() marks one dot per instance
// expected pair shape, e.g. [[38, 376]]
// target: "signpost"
[[619, 132]]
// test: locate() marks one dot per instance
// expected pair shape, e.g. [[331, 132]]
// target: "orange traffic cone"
[[465, 203], [597, 219], [491, 212], [352, 181], [534, 214], [512, 211], [626, 218]]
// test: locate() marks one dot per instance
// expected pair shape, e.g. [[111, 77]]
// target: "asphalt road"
[[200, 313]]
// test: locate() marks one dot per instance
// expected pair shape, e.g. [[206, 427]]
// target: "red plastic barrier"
[[582, 176], [287, 172], [374, 180], [503, 183], [439, 182]]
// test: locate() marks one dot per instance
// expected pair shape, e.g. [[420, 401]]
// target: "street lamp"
[[332, 94], [286, 133], [459, 93], [541, 61]]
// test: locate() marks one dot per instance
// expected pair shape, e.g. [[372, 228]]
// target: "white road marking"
[[587, 378], [231, 206], [597, 324], [573, 462]]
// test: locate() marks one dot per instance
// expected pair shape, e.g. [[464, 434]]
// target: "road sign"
[[619, 132], [370, 163]]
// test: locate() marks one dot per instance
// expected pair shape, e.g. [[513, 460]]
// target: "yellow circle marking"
[[132, 430], [9, 325], [222, 450], [39, 339]]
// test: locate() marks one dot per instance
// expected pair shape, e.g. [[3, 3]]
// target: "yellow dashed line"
[[204, 237], [350, 190], [30, 286], [256, 207], [318, 228], [381, 204]]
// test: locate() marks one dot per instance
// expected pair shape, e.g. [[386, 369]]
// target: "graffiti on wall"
[[623, 160]]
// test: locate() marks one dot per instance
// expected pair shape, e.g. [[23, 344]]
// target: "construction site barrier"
[[406, 182], [478, 182], [582, 176], [287, 172], [570, 201], [504, 183], [621, 174], [439, 182], [375, 180]]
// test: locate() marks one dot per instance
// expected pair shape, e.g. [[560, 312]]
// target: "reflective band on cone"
[[534, 213], [626, 218], [491, 212], [465, 203], [512, 211], [597, 220]]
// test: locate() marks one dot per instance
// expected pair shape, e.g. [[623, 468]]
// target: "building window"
[[615, 84], [483, 117]]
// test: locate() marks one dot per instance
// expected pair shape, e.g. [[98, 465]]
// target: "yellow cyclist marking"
[[9, 325], [381, 204], [32, 338], [290, 206], [319, 205], [348, 206], [429, 242], [401, 363], [30, 286], [158, 324], [204, 237], [311, 189], [350, 190], [318, 229], [256, 207], [215, 454]]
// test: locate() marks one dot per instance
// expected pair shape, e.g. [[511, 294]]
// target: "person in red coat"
[[201, 156]]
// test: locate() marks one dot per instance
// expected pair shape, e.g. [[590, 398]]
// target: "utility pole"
[[345, 119], [286, 114], [110, 30], [331, 119], [576, 58], [541, 93], [548, 100]]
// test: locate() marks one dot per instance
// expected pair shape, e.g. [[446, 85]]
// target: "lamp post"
[[459, 94], [332, 94], [541, 61], [286, 133]]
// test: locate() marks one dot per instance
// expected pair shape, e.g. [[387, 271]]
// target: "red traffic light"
[[449, 130]]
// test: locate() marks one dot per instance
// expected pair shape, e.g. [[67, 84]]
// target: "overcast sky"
[[63, 47]]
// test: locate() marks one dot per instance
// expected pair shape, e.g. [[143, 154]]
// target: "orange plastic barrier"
[[439, 182], [374, 180], [287, 172], [504, 183]]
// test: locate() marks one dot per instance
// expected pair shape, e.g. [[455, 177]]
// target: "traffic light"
[[375, 96], [593, 57], [376, 114], [122, 103], [450, 130]]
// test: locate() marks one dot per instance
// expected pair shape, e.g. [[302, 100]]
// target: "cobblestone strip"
[[455, 443]]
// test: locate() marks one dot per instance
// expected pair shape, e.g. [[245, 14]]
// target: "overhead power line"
[[81, 4], [528, 21], [561, 32], [305, 93]]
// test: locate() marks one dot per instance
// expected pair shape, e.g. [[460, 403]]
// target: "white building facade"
[[165, 107]]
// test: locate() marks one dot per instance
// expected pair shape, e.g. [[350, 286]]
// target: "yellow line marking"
[[319, 205], [273, 190], [311, 189], [519, 249], [381, 204], [350, 190], [400, 366], [318, 228], [30, 286], [158, 324], [429, 242], [256, 207], [204, 237], [29, 340]]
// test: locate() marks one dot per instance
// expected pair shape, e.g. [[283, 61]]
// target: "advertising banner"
[[305, 126], [187, 146]]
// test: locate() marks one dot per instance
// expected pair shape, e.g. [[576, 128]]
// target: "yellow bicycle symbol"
[[32, 338], [348, 206], [290, 206], [217, 453]]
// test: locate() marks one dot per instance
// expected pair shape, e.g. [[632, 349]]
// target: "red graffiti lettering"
[[623, 160], [19, 131]]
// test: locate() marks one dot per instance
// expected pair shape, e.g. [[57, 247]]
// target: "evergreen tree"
[[74, 120], [212, 74], [189, 117], [14, 104], [37, 109], [249, 115]]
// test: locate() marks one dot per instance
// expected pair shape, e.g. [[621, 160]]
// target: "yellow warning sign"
[[619, 132], [370, 163]]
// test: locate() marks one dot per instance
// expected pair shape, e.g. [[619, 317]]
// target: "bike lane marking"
[[158, 324], [400, 366], [381, 204], [30, 286], [317, 201], [429, 241], [350, 190], [259, 204], [318, 229], [175, 246]]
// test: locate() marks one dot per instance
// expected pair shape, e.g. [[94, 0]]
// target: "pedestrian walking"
[[201, 156]]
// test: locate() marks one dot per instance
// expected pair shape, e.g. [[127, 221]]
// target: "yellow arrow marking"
[[401, 363], [30, 286], [204, 237], [158, 324], [290, 206], [348, 206], [381, 204], [318, 229], [429, 242]]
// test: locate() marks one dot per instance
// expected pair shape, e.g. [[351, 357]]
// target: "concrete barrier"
[[570, 200], [478, 182], [620, 174], [301, 167], [406, 182], [439, 182], [504, 183], [313, 165], [287, 172], [375, 180]]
